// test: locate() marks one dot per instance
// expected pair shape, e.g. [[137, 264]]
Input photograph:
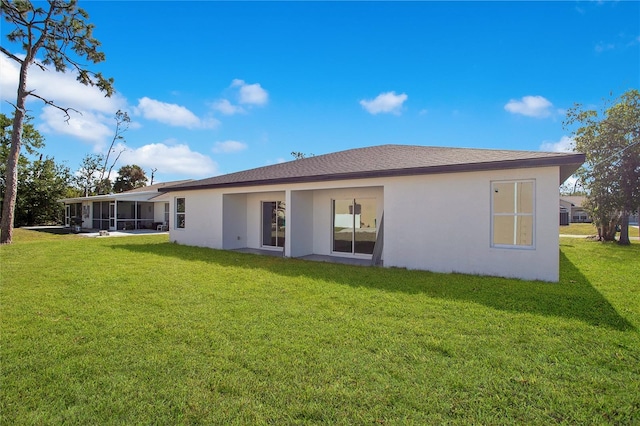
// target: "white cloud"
[[250, 94], [171, 114], [228, 147], [278, 160], [565, 144], [9, 73], [227, 108], [89, 126], [90, 111], [602, 46], [61, 88], [385, 103], [531, 106], [171, 159]]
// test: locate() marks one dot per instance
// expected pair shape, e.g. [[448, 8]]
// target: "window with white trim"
[[512, 213], [180, 212]]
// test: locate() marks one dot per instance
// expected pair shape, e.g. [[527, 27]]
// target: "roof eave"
[[566, 163]]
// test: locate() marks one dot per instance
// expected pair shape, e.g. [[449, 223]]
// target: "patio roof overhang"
[[137, 196]]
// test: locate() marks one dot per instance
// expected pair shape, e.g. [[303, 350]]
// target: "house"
[[474, 211], [573, 205], [140, 208]]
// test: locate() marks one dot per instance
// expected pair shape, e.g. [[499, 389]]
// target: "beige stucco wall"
[[443, 223], [203, 219], [436, 222], [158, 212]]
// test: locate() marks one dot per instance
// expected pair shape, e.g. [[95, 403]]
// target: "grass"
[[137, 330], [588, 229], [585, 229]]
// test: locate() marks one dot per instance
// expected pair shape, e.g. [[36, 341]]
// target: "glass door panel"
[[365, 226], [273, 223], [354, 226], [267, 220], [280, 223], [343, 226]]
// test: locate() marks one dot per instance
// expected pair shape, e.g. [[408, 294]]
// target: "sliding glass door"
[[273, 223], [354, 226]]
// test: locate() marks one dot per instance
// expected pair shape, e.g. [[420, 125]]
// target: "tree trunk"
[[624, 229], [607, 230], [11, 174]]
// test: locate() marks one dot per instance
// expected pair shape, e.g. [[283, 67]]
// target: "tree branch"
[[51, 103], [115, 161], [11, 55]]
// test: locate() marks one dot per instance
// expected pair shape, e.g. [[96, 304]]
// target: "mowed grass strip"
[[137, 330], [589, 229]]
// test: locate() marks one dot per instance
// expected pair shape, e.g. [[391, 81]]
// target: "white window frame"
[[514, 214], [178, 213]]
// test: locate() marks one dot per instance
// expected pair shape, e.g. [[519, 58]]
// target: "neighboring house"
[[475, 211], [573, 205], [140, 208]]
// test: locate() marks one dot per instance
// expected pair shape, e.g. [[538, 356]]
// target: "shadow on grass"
[[55, 230], [574, 297]]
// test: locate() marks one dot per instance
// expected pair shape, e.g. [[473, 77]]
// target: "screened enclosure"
[[134, 215]]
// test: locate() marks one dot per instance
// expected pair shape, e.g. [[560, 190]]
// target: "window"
[[512, 205], [180, 212], [354, 226]]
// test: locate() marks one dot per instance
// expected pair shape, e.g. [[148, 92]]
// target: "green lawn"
[[137, 330], [587, 229], [579, 229]]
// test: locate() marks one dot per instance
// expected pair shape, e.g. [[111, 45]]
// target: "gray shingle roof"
[[387, 160], [157, 186]]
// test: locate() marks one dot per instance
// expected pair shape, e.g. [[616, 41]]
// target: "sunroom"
[[140, 208]]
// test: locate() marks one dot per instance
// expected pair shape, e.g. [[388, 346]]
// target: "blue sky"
[[217, 87]]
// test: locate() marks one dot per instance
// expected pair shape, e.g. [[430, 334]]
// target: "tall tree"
[[129, 177], [32, 141], [122, 125], [94, 175], [611, 141], [41, 182], [58, 35], [299, 155], [87, 178]]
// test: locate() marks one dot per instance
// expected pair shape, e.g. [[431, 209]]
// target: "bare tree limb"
[[51, 103], [10, 55]]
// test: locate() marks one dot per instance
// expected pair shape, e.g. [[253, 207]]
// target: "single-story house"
[[475, 211], [573, 205], [140, 208]]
